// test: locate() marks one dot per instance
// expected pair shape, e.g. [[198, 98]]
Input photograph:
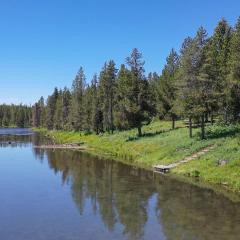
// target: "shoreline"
[[110, 147]]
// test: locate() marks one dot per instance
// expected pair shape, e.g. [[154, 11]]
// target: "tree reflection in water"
[[122, 194]]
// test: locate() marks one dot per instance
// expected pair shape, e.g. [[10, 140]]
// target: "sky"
[[43, 43]]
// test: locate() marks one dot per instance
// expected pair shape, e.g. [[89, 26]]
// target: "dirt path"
[[63, 146], [166, 168]]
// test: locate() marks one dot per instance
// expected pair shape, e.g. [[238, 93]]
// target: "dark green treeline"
[[200, 83], [15, 116]]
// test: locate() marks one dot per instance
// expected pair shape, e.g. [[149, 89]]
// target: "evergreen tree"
[[191, 63], [51, 108], [77, 104], [233, 88], [66, 101], [97, 116], [138, 109], [36, 115], [167, 88], [122, 84], [15, 115], [111, 76], [58, 113], [217, 67], [107, 93], [88, 109], [42, 112]]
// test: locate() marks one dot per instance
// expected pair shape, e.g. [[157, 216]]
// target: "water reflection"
[[16, 131], [122, 194], [126, 202], [23, 138]]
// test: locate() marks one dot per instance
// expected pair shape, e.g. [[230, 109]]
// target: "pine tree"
[[36, 115], [20, 117], [138, 109], [192, 95], [111, 76], [66, 107], [88, 109], [42, 112], [233, 93], [203, 93], [51, 108], [122, 84], [217, 67], [15, 115], [58, 114], [167, 88], [77, 104], [97, 116], [107, 93]]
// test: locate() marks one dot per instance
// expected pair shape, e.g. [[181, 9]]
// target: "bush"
[[219, 131]]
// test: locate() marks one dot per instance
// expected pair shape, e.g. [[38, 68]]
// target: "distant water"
[[69, 195], [15, 131]]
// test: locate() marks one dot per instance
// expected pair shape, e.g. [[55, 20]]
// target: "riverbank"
[[161, 145]]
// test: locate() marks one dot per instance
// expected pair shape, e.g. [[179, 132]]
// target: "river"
[[69, 195]]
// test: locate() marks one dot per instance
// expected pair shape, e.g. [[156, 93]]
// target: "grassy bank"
[[161, 145]]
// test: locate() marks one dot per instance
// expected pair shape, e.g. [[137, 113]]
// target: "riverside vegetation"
[[125, 114], [162, 145]]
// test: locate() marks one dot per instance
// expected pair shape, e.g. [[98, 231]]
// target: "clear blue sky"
[[43, 43]]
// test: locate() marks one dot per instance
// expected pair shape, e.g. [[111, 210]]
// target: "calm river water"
[[68, 195]]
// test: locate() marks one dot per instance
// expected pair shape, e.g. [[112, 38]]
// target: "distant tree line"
[[200, 83], [15, 116]]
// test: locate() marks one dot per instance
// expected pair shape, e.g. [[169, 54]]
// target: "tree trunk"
[[139, 131], [190, 127], [173, 122], [206, 117], [211, 118], [111, 112], [203, 127], [226, 116]]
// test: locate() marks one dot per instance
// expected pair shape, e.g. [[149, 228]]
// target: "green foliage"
[[233, 90], [166, 89], [107, 91], [77, 102], [137, 106], [219, 131], [15, 116], [51, 108]]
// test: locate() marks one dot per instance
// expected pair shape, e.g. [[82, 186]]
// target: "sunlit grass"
[[209, 168]]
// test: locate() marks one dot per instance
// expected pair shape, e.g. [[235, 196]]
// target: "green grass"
[[208, 168], [161, 145]]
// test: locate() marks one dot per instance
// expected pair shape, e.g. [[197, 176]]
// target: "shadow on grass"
[[213, 132], [150, 134]]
